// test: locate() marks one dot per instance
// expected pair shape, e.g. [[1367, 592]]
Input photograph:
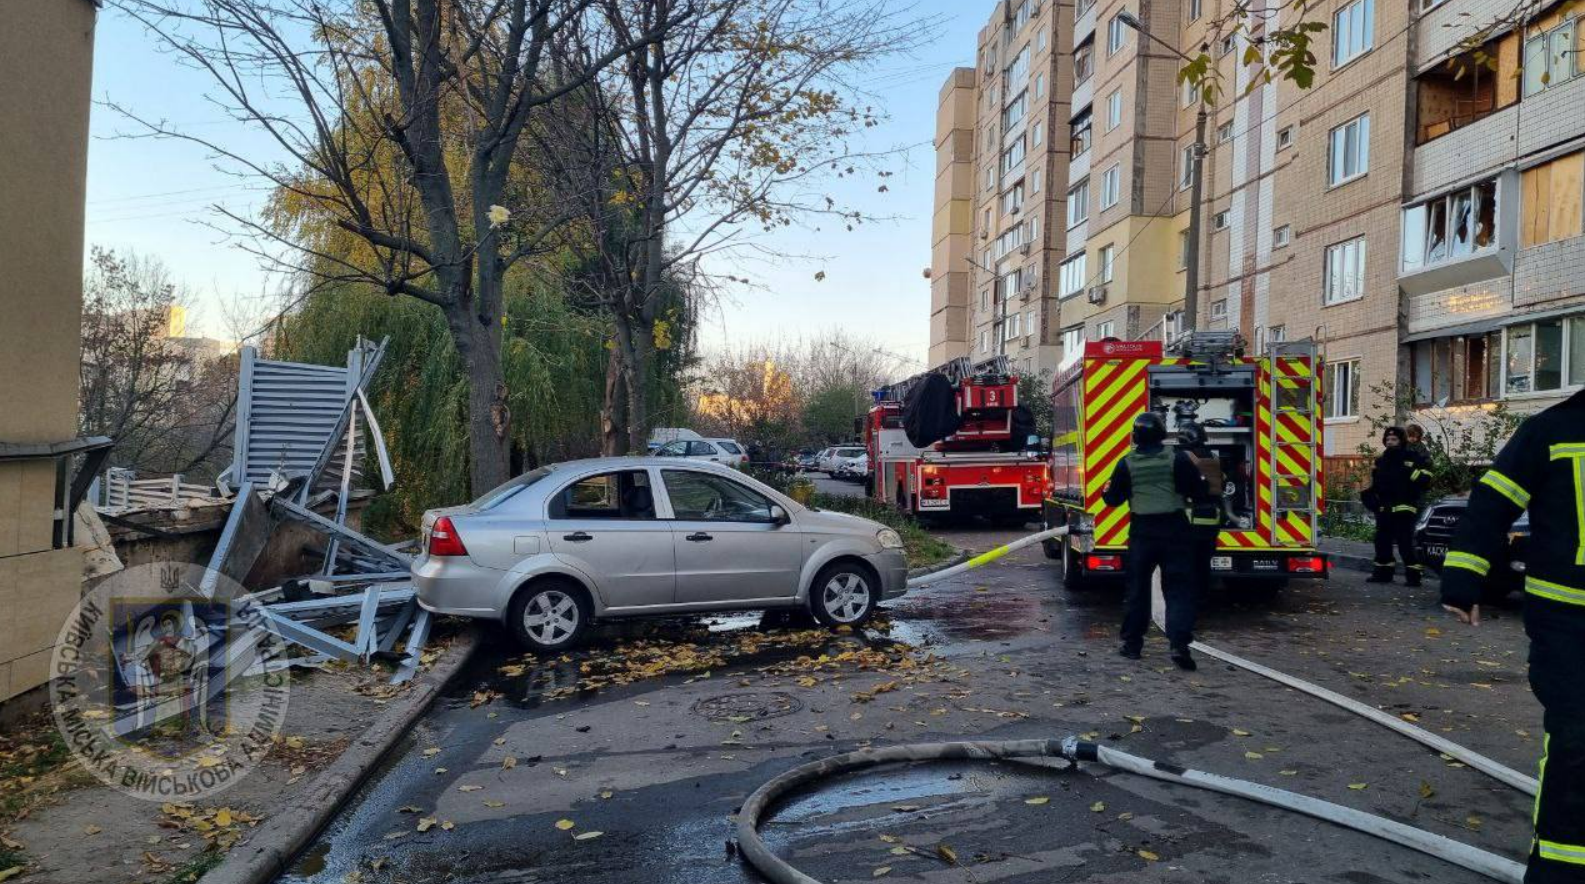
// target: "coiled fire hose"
[[778, 871]]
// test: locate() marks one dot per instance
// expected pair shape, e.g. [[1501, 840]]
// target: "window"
[[1219, 309], [1111, 186], [985, 299], [1034, 181], [1195, 9], [1079, 141], [990, 178], [1345, 272], [1082, 6], [1083, 63], [1428, 5], [1079, 203], [1353, 31], [1228, 44], [1281, 236], [1285, 138], [1186, 177], [1549, 202], [1450, 227], [1072, 341], [1039, 135], [1013, 158], [1018, 70], [1546, 355], [1350, 151], [623, 495], [985, 342], [1462, 368], [1107, 329], [1071, 276], [1106, 255], [1014, 113], [1183, 250], [1224, 132], [1013, 199], [1116, 35], [1342, 389], [700, 497], [1010, 330], [1040, 82], [1187, 93], [1114, 110], [1222, 220], [1277, 334], [1031, 327], [1550, 58], [1020, 16], [1041, 40]]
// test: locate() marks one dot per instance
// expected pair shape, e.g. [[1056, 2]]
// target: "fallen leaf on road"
[[509, 762], [1125, 817], [410, 808], [605, 794], [431, 752], [469, 788], [92, 830], [427, 823], [495, 804], [1098, 807], [500, 741], [1473, 822], [881, 872], [947, 853], [1426, 789], [587, 836], [1253, 756], [1409, 717], [565, 825], [1359, 787], [1288, 773], [889, 839], [1240, 733], [1147, 856], [448, 825], [900, 851], [17, 870]]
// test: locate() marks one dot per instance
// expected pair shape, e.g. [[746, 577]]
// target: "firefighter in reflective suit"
[[1158, 485], [1541, 469]]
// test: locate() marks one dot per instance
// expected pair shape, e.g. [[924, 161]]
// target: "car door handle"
[[699, 537], [578, 537]]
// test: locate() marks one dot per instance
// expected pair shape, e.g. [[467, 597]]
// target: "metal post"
[[1191, 281]]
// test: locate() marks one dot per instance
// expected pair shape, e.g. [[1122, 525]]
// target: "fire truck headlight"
[[889, 539]]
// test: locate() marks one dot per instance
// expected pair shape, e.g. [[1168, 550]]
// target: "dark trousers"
[[1204, 548], [1556, 657], [1395, 528], [1169, 551]]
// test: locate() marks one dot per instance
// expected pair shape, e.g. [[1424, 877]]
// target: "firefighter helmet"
[[1191, 434], [1149, 430]]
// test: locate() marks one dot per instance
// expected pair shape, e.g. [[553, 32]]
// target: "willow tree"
[[721, 132], [400, 121]]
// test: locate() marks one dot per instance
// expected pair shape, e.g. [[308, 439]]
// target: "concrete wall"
[[46, 61]]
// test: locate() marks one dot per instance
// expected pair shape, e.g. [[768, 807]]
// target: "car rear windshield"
[[731, 447], [504, 492], [850, 452]]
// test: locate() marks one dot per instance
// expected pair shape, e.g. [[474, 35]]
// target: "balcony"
[[1463, 236]]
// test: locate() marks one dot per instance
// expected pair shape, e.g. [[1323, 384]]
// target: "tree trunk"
[[641, 351], [613, 429], [489, 419]]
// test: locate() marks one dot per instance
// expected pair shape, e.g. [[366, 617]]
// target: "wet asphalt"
[[659, 766]]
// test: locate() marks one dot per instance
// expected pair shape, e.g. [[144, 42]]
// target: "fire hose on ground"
[[1073, 750]]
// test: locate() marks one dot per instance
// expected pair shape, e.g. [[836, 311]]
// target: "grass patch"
[[34, 763], [195, 868]]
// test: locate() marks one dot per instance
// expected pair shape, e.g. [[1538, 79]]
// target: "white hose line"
[[986, 557], [779, 871], [1474, 759], [1476, 860]]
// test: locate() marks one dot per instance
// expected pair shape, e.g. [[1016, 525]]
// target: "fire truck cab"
[[954, 441], [1261, 415]]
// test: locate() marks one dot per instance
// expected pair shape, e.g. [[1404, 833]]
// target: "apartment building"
[[1002, 153], [1491, 258]]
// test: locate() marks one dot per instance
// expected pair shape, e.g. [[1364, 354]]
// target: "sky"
[[156, 198]]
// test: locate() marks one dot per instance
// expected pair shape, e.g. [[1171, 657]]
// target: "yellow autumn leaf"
[[947, 853], [469, 788], [1359, 787], [1147, 856], [6, 874], [494, 803], [509, 762], [587, 836], [881, 872], [427, 823], [565, 825], [223, 817], [1253, 756], [1041, 799], [1098, 807]]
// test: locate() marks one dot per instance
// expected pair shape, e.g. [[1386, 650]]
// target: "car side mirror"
[[779, 516]]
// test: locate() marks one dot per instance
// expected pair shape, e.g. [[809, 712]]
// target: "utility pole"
[[1191, 262]]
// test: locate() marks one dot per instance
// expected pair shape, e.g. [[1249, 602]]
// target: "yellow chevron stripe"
[[1109, 520], [1285, 458]]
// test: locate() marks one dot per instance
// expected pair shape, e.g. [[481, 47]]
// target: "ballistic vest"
[[1154, 491]]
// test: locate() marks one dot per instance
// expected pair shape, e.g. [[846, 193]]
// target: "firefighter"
[[1396, 485], [1541, 469], [1205, 516], [1157, 485]]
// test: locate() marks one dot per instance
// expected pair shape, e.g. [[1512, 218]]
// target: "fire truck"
[[954, 441], [1262, 418]]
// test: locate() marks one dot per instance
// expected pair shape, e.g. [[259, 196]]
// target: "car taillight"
[[443, 539], [1307, 564]]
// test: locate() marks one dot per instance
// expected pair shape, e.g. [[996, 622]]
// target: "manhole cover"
[[747, 707]]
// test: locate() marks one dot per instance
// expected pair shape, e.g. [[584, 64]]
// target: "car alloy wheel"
[[846, 597], [551, 617]]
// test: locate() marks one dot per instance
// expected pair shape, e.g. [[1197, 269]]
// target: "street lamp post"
[[1191, 263]]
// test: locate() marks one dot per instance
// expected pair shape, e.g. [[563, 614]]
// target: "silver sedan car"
[[554, 550]]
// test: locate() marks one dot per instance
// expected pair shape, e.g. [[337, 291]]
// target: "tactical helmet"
[[1191, 434], [1149, 430]]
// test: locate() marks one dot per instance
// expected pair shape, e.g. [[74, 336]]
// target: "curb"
[[278, 840], [1364, 564], [961, 557]]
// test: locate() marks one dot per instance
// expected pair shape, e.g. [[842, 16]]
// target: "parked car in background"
[[854, 469], [803, 461], [714, 450], [556, 550], [832, 456], [661, 436], [1436, 528]]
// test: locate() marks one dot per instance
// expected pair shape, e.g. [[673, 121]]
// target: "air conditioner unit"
[[1097, 294]]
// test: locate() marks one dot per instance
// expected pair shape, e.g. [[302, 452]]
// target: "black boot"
[[1412, 578], [1382, 574], [1184, 659], [1130, 650]]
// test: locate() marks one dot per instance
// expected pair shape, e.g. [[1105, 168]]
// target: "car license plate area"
[[1436, 549], [1265, 565], [1221, 563], [934, 503]]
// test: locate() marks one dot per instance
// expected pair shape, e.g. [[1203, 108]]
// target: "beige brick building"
[[1414, 211], [46, 53]]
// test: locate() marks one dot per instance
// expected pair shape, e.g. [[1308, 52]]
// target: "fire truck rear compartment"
[[1223, 402]]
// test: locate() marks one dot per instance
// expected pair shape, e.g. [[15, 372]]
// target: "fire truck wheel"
[[843, 594], [1050, 547], [1072, 574]]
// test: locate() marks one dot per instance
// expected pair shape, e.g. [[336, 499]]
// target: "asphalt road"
[[1006, 653]]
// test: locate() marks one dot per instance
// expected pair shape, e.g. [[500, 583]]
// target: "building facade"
[[1416, 209], [46, 58]]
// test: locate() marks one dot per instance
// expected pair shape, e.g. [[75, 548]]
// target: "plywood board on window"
[[1508, 69], [1535, 208], [1568, 179]]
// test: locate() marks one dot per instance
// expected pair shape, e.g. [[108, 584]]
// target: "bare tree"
[[401, 122], [724, 128]]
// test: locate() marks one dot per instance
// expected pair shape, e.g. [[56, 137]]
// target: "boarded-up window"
[[1551, 201]]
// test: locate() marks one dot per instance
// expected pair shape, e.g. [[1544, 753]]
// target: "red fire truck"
[[1262, 417], [954, 441]]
